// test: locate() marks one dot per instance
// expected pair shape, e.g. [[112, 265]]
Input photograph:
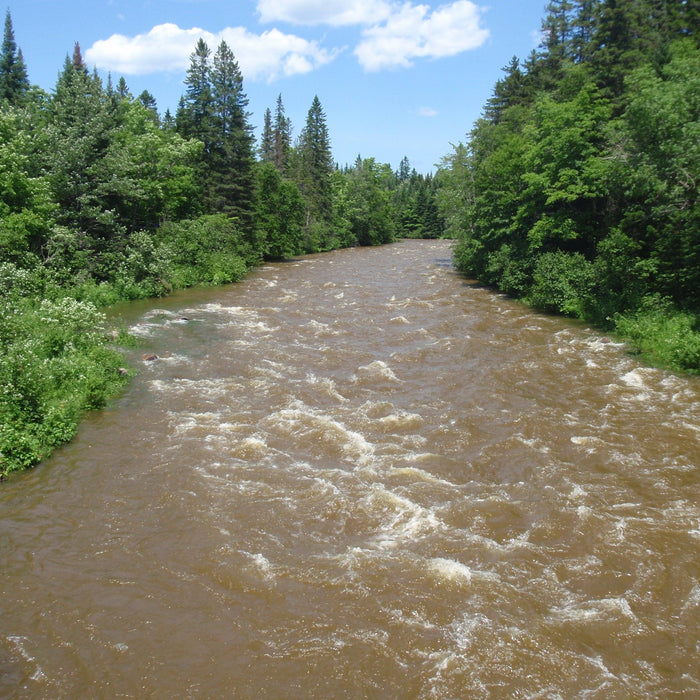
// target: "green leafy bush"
[[662, 334], [207, 250], [54, 365], [562, 282]]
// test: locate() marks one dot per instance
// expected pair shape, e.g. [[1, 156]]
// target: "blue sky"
[[395, 78]]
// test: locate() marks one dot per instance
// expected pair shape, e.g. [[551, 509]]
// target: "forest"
[[577, 189], [576, 192], [103, 199]]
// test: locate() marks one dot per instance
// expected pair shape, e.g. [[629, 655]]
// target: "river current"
[[357, 475]]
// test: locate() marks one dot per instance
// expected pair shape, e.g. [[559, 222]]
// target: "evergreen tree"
[[149, 102], [194, 112], [282, 136], [122, 88], [81, 124], [507, 91], [404, 170], [315, 165], [231, 157], [584, 26], [14, 83], [266, 150]]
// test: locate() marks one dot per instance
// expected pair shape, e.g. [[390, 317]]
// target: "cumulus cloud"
[[334, 12], [167, 47], [412, 31]]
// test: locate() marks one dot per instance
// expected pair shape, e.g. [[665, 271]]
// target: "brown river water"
[[356, 475]]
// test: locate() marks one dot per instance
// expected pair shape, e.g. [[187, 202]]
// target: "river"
[[357, 475]]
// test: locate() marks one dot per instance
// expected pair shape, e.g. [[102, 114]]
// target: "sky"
[[395, 77]]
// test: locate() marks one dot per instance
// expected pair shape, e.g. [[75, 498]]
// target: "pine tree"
[[149, 102], [14, 84], [231, 156], [282, 136], [558, 43], [507, 92], [266, 150], [315, 165], [584, 25], [122, 88], [404, 170], [82, 120], [194, 111]]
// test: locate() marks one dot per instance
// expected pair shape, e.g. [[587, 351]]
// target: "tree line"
[[103, 199], [577, 189]]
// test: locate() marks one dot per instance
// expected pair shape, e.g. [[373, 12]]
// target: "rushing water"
[[356, 475]]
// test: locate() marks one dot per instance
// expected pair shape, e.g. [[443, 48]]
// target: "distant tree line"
[[104, 199], [577, 189]]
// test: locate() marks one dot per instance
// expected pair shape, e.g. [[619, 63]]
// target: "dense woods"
[[577, 190], [103, 199]]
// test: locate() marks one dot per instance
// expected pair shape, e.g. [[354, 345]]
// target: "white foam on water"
[[142, 330], [20, 643], [327, 387], [464, 630], [230, 310], [319, 328], [400, 519], [260, 564], [693, 600], [597, 611], [189, 421], [301, 420], [534, 443], [219, 388], [400, 319], [417, 474], [577, 493], [250, 448], [174, 360], [401, 421], [449, 570], [377, 370]]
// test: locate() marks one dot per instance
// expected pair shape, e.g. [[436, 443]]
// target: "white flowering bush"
[[54, 365]]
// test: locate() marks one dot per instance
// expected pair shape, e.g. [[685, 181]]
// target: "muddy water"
[[355, 475]]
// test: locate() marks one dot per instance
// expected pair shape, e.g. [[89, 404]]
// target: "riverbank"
[[355, 474], [59, 360]]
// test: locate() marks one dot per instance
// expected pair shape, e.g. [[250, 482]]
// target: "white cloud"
[[166, 47], [334, 12], [414, 32], [427, 112]]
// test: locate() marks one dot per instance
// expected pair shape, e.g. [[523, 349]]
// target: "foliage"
[[369, 212], [280, 216], [577, 190], [54, 365], [102, 200], [209, 250], [664, 335], [313, 166]]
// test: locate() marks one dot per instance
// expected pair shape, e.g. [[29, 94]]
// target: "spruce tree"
[[282, 136], [14, 84], [194, 111], [315, 165], [266, 150], [231, 156]]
